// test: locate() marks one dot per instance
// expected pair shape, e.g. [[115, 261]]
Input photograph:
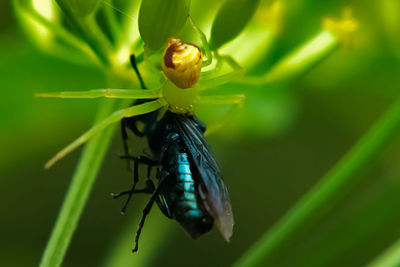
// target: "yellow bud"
[[342, 28], [182, 63]]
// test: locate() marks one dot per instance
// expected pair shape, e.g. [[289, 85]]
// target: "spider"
[[185, 85]]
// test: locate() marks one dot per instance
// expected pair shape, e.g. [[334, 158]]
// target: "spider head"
[[181, 64]]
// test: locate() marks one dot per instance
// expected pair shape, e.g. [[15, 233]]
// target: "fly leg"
[[212, 79], [147, 209], [160, 200], [131, 123], [125, 141], [136, 69], [164, 207], [130, 192], [150, 187]]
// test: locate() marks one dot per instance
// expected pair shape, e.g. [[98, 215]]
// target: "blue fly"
[[190, 188]]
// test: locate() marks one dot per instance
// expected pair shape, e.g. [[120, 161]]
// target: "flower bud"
[[230, 20], [160, 20], [182, 63]]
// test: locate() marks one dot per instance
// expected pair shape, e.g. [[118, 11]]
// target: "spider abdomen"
[[182, 63]]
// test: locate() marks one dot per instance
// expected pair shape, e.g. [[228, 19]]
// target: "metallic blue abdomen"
[[183, 200], [185, 182]]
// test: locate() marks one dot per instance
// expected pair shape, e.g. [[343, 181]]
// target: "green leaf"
[[161, 19], [231, 19], [79, 8], [78, 193]]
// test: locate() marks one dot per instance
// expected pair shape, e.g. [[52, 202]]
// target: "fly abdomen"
[[187, 210], [185, 183]]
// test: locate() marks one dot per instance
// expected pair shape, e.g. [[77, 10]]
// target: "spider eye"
[[182, 63]]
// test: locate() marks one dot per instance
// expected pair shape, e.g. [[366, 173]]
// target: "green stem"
[[112, 21], [94, 29], [128, 33], [57, 29], [322, 195], [301, 60], [78, 193], [87, 30], [152, 243], [390, 257]]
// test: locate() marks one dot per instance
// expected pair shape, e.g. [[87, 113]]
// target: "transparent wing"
[[212, 189]]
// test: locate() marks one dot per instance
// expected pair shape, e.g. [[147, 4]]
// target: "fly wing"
[[212, 189]]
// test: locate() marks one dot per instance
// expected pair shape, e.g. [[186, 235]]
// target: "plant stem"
[[321, 197], [304, 58], [56, 28], [78, 192], [87, 30], [390, 257], [155, 232], [299, 61], [112, 21]]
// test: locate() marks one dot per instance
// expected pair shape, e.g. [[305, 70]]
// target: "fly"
[[190, 188]]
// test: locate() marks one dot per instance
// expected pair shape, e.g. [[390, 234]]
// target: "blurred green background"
[[309, 129]]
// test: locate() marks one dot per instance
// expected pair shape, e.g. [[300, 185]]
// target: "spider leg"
[[229, 60], [108, 93], [209, 80], [206, 46], [222, 99], [236, 101], [114, 117], [111, 93]]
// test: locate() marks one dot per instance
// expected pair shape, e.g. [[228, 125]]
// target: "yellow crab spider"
[[180, 93]]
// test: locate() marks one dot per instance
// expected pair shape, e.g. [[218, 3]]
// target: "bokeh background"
[[307, 130]]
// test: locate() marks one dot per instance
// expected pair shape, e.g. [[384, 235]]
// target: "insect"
[[190, 188]]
